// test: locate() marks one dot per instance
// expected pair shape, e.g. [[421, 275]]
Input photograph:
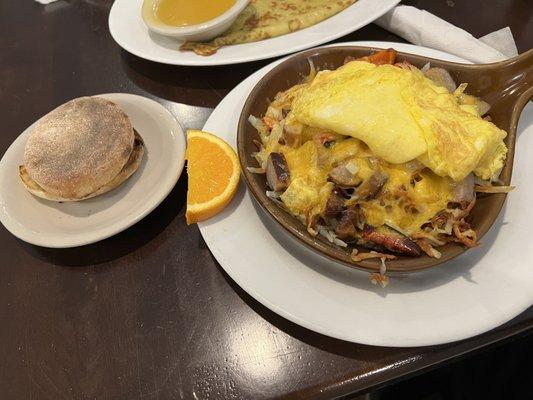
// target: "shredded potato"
[[493, 189], [256, 170], [357, 257]]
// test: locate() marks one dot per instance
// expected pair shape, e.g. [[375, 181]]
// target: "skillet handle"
[[521, 69], [517, 73]]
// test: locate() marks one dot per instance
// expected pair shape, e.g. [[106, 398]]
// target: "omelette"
[[381, 155], [263, 19], [402, 115]]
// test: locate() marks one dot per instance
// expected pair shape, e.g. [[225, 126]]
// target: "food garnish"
[[214, 172]]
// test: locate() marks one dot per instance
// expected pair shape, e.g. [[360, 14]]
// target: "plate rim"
[[10, 223], [206, 61]]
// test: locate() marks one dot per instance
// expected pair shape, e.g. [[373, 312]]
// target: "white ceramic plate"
[[70, 224], [129, 31], [481, 289]]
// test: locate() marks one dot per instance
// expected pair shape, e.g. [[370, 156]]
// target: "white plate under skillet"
[[130, 32], [51, 224], [477, 291]]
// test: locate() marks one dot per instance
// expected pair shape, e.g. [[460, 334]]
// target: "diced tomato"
[[382, 57], [270, 122]]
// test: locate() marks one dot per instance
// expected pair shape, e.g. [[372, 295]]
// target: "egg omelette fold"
[[377, 154], [402, 116], [263, 19]]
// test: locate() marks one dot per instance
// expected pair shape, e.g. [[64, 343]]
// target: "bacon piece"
[[387, 238], [277, 172]]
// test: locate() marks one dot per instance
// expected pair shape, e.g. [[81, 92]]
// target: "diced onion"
[[330, 236], [256, 170], [352, 167], [383, 267], [257, 124], [312, 71], [460, 89], [273, 195]]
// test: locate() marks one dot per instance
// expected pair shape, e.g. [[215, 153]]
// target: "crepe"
[[263, 19]]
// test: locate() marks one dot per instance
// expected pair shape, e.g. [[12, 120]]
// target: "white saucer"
[[483, 288], [130, 32], [70, 224]]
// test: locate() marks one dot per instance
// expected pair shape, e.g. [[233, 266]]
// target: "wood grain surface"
[[149, 314]]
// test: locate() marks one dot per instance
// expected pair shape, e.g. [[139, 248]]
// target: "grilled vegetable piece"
[[464, 233], [370, 188], [464, 190], [347, 226], [387, 238], [277, 172], [428, 248], [345, 174], [292, 135], [335, 204], [442, 78], [292, 131], [482, 107], [382, 57]]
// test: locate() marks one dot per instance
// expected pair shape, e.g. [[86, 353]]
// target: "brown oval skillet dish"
[[507, 86]]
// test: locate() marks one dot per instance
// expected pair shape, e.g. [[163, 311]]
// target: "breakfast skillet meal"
[[380, 155]]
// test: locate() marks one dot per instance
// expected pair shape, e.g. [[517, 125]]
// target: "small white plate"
[[130, 32], [479, 290], [69, 224]]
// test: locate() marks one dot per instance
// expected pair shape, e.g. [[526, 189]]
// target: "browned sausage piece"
[[345, 174], [334, 205], [347, 227], [371, 187], [277, 172], [390, 239]]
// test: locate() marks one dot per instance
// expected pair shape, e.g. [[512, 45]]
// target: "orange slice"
[[214, 172]]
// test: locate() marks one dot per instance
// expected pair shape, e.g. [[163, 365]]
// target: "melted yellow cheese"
[[308, 189], [406, 204], [403, 203]]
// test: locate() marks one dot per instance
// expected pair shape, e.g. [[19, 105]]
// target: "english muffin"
[[81, 149]]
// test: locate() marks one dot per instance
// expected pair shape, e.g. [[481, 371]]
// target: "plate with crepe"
[[258, 33], [89, 169]]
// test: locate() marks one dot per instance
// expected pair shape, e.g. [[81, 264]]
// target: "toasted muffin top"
[[79, 147]]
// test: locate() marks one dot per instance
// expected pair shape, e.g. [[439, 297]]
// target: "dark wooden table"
[[149, 314]]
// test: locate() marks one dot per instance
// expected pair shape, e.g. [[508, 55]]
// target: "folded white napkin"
[[425, 29]]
